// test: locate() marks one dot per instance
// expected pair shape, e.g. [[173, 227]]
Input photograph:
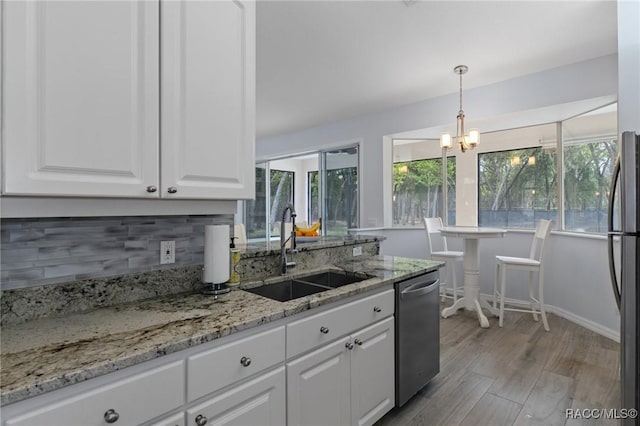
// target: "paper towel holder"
[[215, 290]]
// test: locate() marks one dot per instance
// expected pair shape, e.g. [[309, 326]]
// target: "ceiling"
[[323, 61]]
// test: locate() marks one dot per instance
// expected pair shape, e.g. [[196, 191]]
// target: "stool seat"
[[447, 254], [518, 261]]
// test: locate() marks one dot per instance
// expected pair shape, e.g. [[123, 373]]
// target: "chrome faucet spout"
[[283, 240]]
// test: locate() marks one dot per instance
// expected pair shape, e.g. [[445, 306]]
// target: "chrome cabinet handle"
[[348, 345], [111, 416], [358, 342], [377, 309], [324, 330], [201, 420], [172, 190], [151, 188], [245, 361]]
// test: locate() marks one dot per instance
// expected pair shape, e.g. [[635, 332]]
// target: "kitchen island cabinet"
[[87, 113]]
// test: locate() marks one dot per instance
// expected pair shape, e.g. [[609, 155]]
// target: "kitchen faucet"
[[283, 242]]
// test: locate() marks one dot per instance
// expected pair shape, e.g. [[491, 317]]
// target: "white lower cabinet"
[[258, 402], [348, 382], [373, 373], [318, 387]]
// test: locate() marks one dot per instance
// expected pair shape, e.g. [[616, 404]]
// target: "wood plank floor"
[[515, 375]]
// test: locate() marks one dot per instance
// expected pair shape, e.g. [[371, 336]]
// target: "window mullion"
[[560, 173]]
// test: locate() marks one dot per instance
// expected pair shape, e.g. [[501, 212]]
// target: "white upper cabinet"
[[115, 99], [81, 98], [208, 99]]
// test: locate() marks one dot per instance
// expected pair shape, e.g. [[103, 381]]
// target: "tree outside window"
[[417, 191], [516, 188]]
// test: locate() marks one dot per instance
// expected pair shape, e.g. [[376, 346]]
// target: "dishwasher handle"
[[419, 289]]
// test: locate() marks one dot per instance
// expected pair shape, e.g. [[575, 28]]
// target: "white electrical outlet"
[[167, 252], [357, 251]]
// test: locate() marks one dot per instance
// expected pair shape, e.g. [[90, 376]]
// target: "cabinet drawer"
[[214, 369], [322, 328], [258, 402], [134, 400]]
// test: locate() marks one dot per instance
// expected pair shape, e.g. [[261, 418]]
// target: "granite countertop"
[[46, 354]]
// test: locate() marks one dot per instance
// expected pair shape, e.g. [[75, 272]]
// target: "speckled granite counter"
[[46, 354]]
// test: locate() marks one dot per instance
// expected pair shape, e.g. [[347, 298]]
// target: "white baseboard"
[[581, 321]]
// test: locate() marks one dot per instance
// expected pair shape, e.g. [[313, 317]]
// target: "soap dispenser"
[[234, 275]]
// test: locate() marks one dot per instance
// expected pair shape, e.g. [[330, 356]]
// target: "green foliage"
[[417, 189]]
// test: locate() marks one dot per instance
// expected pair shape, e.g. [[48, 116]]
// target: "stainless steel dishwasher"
[[417, 334]]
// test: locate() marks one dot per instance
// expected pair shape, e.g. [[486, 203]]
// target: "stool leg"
[[495, 286], [453, 281], [503, 278], [531, 299], [543, 313], [443, 281]]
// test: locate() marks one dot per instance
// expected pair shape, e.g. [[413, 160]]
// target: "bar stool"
[[432, 226], [531, 264]]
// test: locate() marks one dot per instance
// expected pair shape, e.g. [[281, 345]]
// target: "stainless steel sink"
[[332, 279], [290, 289], [286, 290]]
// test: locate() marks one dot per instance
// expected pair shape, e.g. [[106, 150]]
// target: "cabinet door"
[[372, 373], [258, 402], [81, 98], [208, 99], [318, 387]]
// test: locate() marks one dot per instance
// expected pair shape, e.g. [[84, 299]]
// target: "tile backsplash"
[[46, 251]]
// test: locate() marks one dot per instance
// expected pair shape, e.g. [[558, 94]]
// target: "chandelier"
[[465, 141]]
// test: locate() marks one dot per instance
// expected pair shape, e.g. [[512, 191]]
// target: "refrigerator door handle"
[[612, 192], [612, 271]]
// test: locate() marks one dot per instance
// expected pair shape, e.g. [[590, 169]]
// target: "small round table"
[[471, 299]]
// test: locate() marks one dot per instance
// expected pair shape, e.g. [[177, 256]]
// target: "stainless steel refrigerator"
[[624, 258]]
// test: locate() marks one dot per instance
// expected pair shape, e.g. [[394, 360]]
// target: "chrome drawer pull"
[[172, 190], [324, 330], [111, 416], [348, 345], [377, 309], [358, 342], [201, 420], [245, 361], [151, 188]]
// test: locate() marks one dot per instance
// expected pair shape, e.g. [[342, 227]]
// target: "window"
[[331, 192], [417, 183], [313, 197], [517, 187], [340, 190], [281, 194], [255, 211], [278, 190], [590, 149]]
